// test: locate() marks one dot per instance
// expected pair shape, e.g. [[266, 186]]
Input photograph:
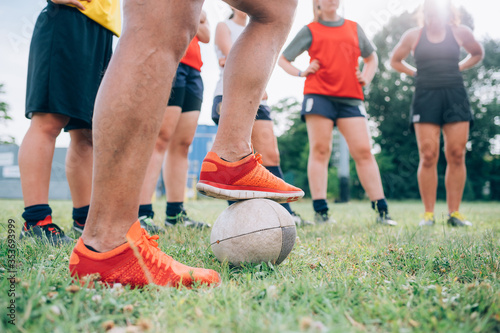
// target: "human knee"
[[81, 142], [429, 158], [362, 155], [321, 151], [182, 146], [280, 13], [455, 155], [271, 157], [49, 125]]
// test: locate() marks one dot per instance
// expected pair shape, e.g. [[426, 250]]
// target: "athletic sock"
[[174, 208], [320, 206], [80, 214], [380, 206], [229, 202], [276, 170], [146, 210], [36, 213]]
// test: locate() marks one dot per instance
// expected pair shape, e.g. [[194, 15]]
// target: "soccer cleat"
[[136, 263], [78, 227], [147, 223], [323, 217], [456, 219], [45, 231], [299, 221], [184, 220], [244, 179], [428, 220], [386, 219]]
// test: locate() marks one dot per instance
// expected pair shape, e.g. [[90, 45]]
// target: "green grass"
[[354, 276]]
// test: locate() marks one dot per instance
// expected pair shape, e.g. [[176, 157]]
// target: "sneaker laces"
[[151, 250], [258, 158], [457, 215], [54, 229]]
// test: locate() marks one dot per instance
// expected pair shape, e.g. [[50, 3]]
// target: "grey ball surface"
[[253, 231]]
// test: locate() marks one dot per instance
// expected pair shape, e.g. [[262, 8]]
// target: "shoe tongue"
[[135, 231], [47, 220]]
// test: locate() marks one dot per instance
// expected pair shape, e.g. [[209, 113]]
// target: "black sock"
[[174, 208], [276, 170], [91, 248], [380, 206], [80, 214], [320, 206], [239, 159], [229, 202], [146, 210], [33, 214]]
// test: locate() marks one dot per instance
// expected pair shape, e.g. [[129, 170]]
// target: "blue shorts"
[[263, 113], [324, 106], [187, 89]]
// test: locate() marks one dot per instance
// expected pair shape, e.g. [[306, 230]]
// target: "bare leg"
[[79, 167], [264, 142], [428, 148], [170, 120], [35, 156], [248, 70], [176, 162], [129, 110], [355, 132], [319, 131], [455, 138]]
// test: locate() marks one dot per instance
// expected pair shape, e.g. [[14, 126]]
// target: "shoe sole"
[[238, 194]]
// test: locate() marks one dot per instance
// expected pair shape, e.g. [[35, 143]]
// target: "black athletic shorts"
[[329, 108], [263, 113], [187, 89], [69, 54], [440, 106]]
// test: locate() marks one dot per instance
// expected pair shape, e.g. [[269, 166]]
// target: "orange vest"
[[337, 50], [192, 57]]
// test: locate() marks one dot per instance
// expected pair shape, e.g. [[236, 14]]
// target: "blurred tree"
[[4, 118]]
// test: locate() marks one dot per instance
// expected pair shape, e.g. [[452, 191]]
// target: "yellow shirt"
[[106, 13]]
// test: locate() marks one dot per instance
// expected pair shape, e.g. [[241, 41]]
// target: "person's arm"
[[223, 41], [75, 3], [402, 51], [203, 29], [369, 69], [299, 44], [471, 45]]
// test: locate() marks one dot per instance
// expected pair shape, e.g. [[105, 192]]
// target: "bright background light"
[[17, 22]]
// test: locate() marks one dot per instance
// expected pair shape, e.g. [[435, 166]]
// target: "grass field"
[[354, 276]]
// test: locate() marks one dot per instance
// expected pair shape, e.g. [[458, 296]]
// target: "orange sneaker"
[[136, 263], [245, 179]]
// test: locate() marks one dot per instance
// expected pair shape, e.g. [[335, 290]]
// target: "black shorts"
[[187, 89], [263, 113], [69, 54], [328, 108], [440, 106]]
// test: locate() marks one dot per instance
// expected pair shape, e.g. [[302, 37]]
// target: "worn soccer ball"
[[253, 231]]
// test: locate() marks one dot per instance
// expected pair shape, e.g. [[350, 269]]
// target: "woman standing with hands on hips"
[[440, 101], [333, 95]]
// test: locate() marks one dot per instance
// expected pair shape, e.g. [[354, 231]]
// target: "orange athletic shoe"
[[245, 179], [136, 263]]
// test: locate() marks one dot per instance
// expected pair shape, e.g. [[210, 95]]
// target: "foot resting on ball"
[[244, 179], [137, 263]]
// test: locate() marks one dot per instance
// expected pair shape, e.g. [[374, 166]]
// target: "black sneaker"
[[184, 220], [386, 219], [147, 224], [78, 227], [46, 231], [299, 221], [456, 219], [320, 218]]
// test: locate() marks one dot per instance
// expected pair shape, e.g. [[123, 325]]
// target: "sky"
[[17, 20]]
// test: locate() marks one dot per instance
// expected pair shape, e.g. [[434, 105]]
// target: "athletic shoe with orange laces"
[[244, 179], [46, 231], [136, 263]]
